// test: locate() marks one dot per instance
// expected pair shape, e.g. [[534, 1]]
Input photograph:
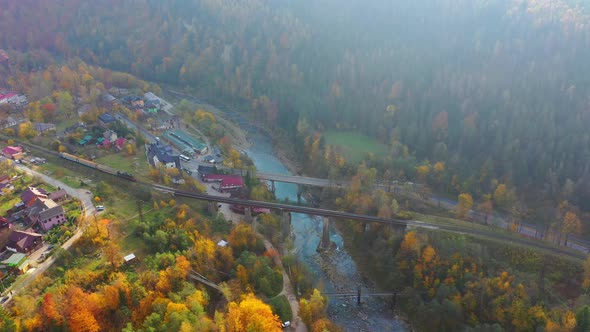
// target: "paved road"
[[85, 198]]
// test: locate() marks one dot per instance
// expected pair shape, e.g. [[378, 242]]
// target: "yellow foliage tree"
[[428, 254], [571, 223], [251, 315], [568, 321], [314, 309], [464, 204], [26, 130], [423, 171], [130, 149]]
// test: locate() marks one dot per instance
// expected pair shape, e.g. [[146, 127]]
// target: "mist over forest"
[[498, 90], [482, 105]]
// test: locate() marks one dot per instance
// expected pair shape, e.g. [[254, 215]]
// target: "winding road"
[[87, 208]]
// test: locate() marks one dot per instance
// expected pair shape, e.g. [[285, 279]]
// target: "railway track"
[[337, 214]]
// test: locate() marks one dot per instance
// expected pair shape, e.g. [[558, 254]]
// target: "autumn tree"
[[251, 315], [243, 237], [423, 171], [486, 208], [313, 309], [439, 168], [503, 197], [571, 224], [51, 316], [26, 130], [464, 204], [113, 255]]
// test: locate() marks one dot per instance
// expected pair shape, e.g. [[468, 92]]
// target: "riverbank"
[[332, 271], [296, 321]]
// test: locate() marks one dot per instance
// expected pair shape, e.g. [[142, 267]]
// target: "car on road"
[[188, 171], [286, 324], [4, 299], [99, 208], [44, 256]]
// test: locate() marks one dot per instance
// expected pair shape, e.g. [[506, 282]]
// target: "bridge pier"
[[286, 223], [248, 214], [365, 226], [298, 197], [273, 188], [212, 207], [325, 242]]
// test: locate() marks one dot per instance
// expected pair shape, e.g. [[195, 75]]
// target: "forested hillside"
[[495, 90]]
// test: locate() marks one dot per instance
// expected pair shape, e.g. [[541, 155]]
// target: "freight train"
[[99, 167]]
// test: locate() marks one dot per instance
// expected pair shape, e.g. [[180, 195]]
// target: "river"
[[334, 271]]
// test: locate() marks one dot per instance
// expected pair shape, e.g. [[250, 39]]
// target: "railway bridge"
[[332, 215]]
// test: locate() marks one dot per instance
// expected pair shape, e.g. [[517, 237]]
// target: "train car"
[[79, 160], [126, 176], [99, 167]]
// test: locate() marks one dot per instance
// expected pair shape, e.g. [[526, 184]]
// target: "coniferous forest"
[[482, 101], [497, 90]]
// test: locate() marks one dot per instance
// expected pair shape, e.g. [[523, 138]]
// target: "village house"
[[110, 135], [106, 119], [5, 187], [24, 242], [84, 109], [16, 263], [29, 194], [58, 195], [119, 92], [107, 100], [7, 97], [119, 143], [13, 152], [13, 99], [41, 209], [205, 170], [75, 127], [45, 213], [226, 182], [161, 154], [8, 122], [41, 127], [138, 104]]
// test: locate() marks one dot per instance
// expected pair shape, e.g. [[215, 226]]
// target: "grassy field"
[[136, 164], [354, 146], [61, 173]]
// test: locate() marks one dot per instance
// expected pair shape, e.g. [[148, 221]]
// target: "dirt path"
[[296, 322]]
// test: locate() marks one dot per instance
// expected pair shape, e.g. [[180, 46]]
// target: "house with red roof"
[[13, 152], [226, 182], [8, 97], [31, 193], [119, 143]]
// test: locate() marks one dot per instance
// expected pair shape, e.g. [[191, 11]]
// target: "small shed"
[[129, 258]]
